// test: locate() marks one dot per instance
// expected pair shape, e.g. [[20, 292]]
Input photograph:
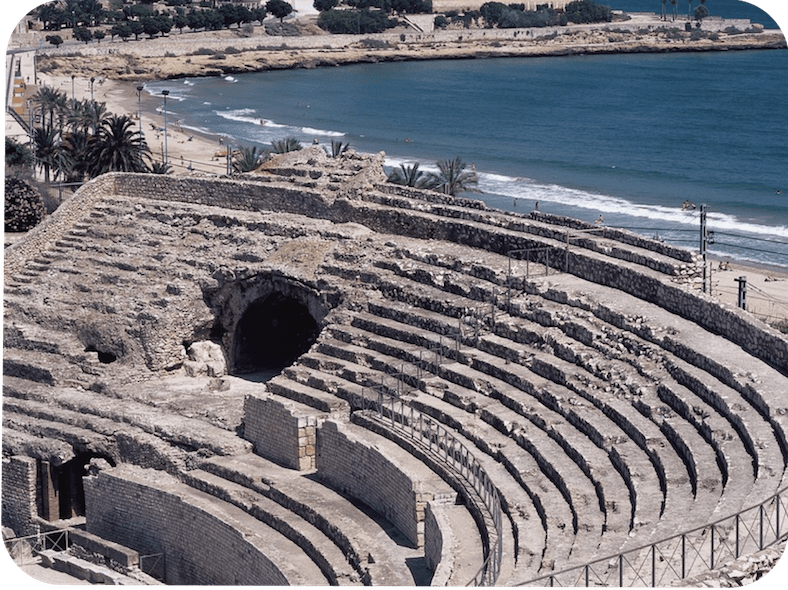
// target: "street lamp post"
[[166, 153], [92, 106], [140, 88]]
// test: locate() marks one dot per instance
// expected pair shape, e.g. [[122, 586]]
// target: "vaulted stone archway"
[[273, 332]]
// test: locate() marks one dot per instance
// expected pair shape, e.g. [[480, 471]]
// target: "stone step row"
[[657, 453], [325, 554], [420, 274]]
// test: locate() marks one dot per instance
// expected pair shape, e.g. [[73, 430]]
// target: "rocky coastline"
[[226, 53]]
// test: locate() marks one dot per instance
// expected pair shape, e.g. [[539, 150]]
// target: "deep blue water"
[[629, 137]]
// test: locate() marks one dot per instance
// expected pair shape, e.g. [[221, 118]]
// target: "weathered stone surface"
[[607, 400]]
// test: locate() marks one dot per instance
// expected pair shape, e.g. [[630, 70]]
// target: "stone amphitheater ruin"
[[460, 394]]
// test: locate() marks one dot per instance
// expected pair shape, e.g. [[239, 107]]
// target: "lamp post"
[[73, 106], [92, 106], [140, 88], [166, 153]]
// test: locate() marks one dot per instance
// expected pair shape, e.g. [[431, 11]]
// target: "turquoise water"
[[629, 137]]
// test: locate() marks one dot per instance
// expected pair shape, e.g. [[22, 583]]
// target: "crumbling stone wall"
[[279, 433], [144, 511], [19, 495]]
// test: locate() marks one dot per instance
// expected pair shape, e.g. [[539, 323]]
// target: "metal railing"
[[686, 554], [25, 550], [441, 443]]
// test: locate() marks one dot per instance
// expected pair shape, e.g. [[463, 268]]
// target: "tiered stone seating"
[[604, 410]]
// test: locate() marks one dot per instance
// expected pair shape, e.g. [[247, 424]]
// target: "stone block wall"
[[280, 432], [19, 495], [365, 471], [438, 542], [151, 512]]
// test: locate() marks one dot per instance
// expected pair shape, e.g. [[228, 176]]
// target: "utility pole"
[[742, 280], [706, 238]]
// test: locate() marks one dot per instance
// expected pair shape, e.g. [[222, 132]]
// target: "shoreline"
[[228, 52]]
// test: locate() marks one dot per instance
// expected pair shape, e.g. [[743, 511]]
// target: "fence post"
[[760, 517], [621, 570], [683, 556], [712, 547], [737, 537], [653, 566]]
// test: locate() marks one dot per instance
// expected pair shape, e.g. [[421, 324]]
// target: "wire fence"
[[442, 444], [686, 554]]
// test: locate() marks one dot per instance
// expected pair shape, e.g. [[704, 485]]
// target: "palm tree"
[[674, 3], [664, 13], [338, 148], [117, 147], [75, 153], [452, 178], [160, 168], [288, 144], [409, 176], [247, 159], [45, 140], [50, 101]]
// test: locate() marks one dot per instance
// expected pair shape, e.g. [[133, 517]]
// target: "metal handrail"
[[57, 540], [691, 552], [443, 444]]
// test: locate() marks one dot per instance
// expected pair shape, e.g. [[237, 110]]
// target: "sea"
[[643, 141]]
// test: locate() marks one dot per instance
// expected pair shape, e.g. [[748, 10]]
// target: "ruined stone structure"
[[575, 370]]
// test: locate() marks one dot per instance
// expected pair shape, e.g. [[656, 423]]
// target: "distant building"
[[468, 5]]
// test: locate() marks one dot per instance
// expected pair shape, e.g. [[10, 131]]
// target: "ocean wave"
[[526, 189], [310, 131]]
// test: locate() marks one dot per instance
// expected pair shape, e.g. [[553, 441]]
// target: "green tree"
[[83, 34], [117, 147], [98, 35], [338, 148], [137, 29], [122, 30], [409, 176], [288, 144], [160, 168], [259, 14], [247, 159], [45, 140], [321, 5], [75, 155], [55, 40], [452, 178], [17, 154], [701, 12], [279, 8]]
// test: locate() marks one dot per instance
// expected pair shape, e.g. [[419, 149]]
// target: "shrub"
[[232, 50]]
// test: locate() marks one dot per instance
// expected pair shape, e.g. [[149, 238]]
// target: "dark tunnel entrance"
[[272, 334]]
